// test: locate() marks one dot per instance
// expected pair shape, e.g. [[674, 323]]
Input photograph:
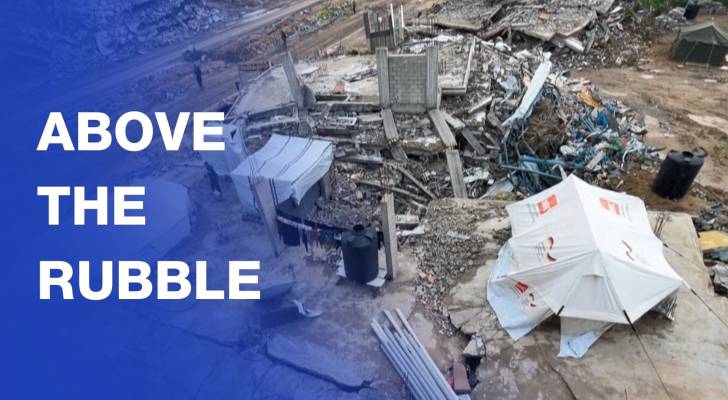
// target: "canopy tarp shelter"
[[292, 165], [585, 254], [705, 43]]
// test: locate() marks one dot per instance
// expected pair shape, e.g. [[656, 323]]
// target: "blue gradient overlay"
[[83, 349]]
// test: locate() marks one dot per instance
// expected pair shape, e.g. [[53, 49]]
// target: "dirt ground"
[[684, 105]]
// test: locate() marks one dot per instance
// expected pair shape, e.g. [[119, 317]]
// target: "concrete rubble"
[[531, 369], [719, 276], [499, 116], [112, 31]]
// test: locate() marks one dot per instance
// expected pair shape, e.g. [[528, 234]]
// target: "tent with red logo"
[[585, 254]]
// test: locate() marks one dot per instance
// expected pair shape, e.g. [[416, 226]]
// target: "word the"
[[100, 204]]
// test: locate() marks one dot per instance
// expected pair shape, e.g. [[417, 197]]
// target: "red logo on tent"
[[550, 243], [610, 206], [630, 251], [544, 249], [547, 204]]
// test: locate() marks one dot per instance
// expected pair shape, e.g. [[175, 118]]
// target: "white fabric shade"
[[292, 165]]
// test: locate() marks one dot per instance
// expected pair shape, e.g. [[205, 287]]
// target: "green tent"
[[705, 43]]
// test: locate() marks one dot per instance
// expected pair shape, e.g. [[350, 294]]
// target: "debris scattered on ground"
[[410, 359], [451, 246], [719, 275], [671, 20]]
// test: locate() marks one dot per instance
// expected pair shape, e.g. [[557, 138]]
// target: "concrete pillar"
[[327, 184], [383, 77], [267, 211], [389, 229], [431, 88], [293, 83]]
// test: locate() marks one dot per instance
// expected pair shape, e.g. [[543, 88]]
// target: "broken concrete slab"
[[457, 180], [617, 363], [438, 120], [316, 360]]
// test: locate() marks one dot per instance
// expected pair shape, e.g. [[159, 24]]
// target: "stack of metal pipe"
[[410, 359]]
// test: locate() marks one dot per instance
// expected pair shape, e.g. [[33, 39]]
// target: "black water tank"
[[361, 254], [691, 11], [677, 173]]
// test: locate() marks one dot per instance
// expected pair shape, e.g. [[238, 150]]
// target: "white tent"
[[292, 165], [224, 162], [585, 254]]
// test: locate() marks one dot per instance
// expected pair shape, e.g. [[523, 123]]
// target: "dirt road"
[[684, 105], [168, 57]]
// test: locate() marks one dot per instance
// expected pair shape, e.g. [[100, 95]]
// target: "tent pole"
[[652, 363], [267, 210]]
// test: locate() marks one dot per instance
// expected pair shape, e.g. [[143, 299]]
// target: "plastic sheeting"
[[292, 165], [517, 308], [520, 311]]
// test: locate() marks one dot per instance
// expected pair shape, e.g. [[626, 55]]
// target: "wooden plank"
[[470, 61], [390, 132], [392, 189], [414, 180], [459, 25], [407, 220], [453, 122], [389, 231], [442, 129], [456, 173], [474, 143]]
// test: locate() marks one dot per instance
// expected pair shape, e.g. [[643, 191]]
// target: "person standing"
[[284, 37], [198, 75], [214, 181]]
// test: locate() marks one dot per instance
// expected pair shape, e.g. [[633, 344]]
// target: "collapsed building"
[[433, 114]]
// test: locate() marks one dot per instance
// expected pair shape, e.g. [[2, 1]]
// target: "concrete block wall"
[[407, 81]]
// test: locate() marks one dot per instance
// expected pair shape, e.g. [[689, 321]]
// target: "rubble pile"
[[672, 20], [451, 246], [567, 126], [712, 7], [713, 217], [581, 33], [353, 205]]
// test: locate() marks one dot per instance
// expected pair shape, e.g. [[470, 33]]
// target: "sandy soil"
[[684, 105]]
